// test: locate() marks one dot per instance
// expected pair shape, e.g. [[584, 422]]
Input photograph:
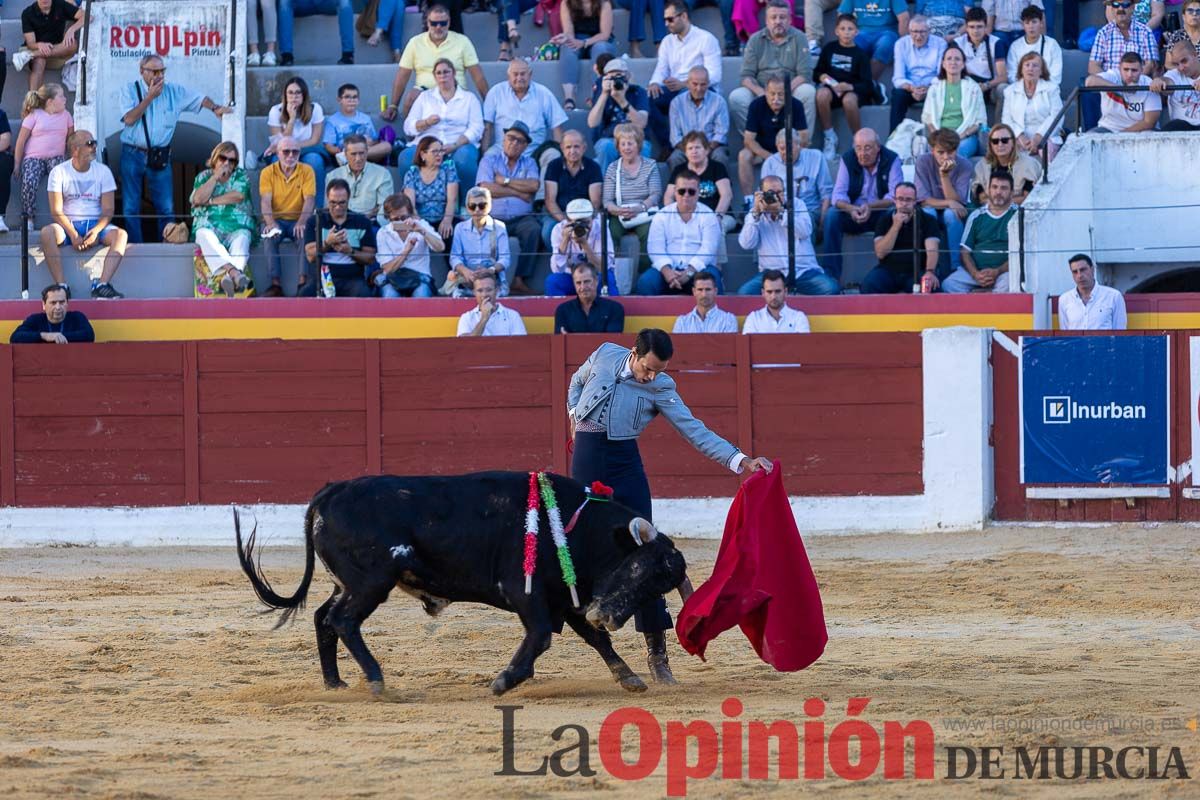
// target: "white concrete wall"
[[957, 464]]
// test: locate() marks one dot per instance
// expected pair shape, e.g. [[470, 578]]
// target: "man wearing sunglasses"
[[1123, 35], [81, 195], [685, 47], [422, 53], [150, 110], [684, 237]]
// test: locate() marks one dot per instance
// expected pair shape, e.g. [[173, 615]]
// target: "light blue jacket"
[[635, 405]]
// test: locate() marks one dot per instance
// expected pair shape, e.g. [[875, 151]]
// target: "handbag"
[[156, 157], [405, 279], [633, 222]]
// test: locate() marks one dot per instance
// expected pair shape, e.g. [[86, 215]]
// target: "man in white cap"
[[574, 241]]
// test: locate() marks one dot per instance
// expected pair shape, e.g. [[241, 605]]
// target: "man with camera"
[[616, 99], [574, 241], [151, 109], [765, 231]]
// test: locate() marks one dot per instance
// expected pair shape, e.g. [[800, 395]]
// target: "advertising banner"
[[1095, 410]]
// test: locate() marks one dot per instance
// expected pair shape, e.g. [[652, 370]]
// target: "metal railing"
[[83, 52]]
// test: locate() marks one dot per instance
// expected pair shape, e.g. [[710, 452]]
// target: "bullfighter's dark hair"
[[654, 340]]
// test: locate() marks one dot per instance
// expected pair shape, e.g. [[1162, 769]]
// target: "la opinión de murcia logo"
[[161, 39], [1061, 410], [734, 749]]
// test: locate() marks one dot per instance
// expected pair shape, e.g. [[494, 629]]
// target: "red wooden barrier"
[[271, 421]]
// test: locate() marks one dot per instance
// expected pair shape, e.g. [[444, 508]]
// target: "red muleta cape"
[[762, 581]]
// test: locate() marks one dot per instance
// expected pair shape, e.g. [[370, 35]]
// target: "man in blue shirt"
[[151, 109], [520, 99], [55, 324], [616, 99], [511, 177]]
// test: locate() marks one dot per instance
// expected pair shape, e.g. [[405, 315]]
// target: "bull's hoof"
[[338, 684], [501, 684], [631, 683], [376, 688]]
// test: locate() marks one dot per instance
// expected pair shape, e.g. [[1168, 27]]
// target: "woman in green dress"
[[223, 224]]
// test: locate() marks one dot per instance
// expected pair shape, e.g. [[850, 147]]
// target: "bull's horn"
[[685, 588], [643, 532]]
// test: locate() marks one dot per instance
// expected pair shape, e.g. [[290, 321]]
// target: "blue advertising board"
[[1095, 409]]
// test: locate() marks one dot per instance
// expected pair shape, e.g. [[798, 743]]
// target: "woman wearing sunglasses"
[[223, 223], [1189, 32], [1003, 153], [1031, 104]]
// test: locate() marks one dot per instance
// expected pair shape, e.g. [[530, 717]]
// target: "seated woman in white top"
[[302, 119], [955, 103], [1031, 104], [402, 252], [453, 115]]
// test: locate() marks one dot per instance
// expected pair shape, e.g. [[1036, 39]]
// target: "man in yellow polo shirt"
[[288, 191], [423, 51]]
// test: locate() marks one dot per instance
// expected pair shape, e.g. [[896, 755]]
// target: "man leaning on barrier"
[[54, 324]]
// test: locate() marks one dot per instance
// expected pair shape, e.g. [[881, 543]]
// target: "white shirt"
[[390, 243], [1104, 310], [81, 191], [978, 62], [1121, 110], [697, 48], [502, 322], [790, 321], [716, 321], [1049, 50], [462, 115], [769, 237], [301, 131], [675, 243], [1183, 105]]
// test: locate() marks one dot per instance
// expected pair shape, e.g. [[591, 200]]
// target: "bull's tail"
[[253, 568]]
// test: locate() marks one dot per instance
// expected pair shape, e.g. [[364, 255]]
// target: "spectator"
[[705, 317], [1035, 40], [349, 121], [1003, 154], [616, 101], [1150, 13], [765, 232], [81, 209], [298, 117], [637, 23], [223, 220], [508, 12], [943, 181], [287, 192], [984, 250], [511, 177], [632, 189], [347, 245], [54, 324], [453, 115], [587, 32], [1122, 35], [479, 248], [576, 241], [1004, 18], [587, 313], [947, 18], [1184, 106], [901, 236], [687, 46], [50, 29], [881, 23], [985, 56], [151, 108], [810, 175], [682, 242], [571, 176], [290, 9], [521, 100], [370, 184], [867, 176], [776, 316], [777, 49], [270, 27], [917, 59], [955, 103], [716, 191], [421, 55], [814, 23], [431, 184], [402, 255], [1031, 104], [1126, 112], [389, 20], [6, 166], [1190, 32], [489, 318], [41, 144], [703, 111], [764, 121], [1090, 306], [844, 75], [745, 25]]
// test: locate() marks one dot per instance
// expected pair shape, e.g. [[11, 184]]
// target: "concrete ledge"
[[1095, 492]]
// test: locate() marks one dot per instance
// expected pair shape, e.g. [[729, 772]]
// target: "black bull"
[[461, 538]]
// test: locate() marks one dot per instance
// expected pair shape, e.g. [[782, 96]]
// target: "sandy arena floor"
[[147, 673]]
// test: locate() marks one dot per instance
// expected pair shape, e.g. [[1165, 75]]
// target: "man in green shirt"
[[985, 242], [370, 184], [776, 49]]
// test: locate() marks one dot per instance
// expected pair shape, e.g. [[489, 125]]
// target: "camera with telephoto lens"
[[580, 228], [770, 197], [619, 83]]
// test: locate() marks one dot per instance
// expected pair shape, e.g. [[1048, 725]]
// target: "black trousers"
[[619, 464]]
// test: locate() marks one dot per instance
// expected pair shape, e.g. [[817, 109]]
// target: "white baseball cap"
[[579, 208]]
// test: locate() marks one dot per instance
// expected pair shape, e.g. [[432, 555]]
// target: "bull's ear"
[[643, 532]]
